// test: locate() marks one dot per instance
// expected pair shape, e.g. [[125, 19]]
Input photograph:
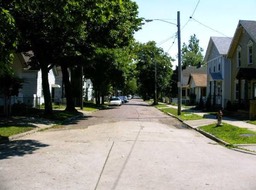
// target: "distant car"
[[129, 96], [124, 99], [115, 101]]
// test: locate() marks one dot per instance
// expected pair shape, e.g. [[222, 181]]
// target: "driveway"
[[133, 146]]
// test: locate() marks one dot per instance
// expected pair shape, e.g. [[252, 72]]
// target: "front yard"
[[231, 134], [185, 115]]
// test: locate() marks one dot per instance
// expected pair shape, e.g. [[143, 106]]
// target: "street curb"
[[214, 138], [17, 136]]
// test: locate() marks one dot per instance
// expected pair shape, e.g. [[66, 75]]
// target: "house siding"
[[243, 43], [218, 90], [31, 92], [227, 81]]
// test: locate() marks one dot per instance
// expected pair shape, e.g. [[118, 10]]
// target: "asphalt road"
[[130, 147]]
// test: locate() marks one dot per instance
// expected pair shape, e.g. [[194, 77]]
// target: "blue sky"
[[221, 16]]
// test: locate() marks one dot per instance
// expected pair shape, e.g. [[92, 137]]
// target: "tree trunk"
[[68, 89], [46, 90], [97, 97], [102, 99]]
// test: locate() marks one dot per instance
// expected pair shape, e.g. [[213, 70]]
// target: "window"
[[239, 56], [249, 50]]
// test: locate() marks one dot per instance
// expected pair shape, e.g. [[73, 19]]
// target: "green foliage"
[[174, 83], [151, 59], [185, 115], [8, 40], [192, 53], [10, 85], [231, 134], [68, 32]]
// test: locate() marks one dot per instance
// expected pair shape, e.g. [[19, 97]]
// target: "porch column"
[[214, 93], [239, 91]]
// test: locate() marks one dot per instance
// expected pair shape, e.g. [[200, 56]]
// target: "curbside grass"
[[231, 134]]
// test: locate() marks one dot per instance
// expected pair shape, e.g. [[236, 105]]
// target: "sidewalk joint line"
[[105, 163]]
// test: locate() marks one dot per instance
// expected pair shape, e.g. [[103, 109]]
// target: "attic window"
[[249, 50]]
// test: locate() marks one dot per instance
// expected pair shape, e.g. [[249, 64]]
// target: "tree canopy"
[[153, 61], [8, 40], [192, 53], [68, 32]]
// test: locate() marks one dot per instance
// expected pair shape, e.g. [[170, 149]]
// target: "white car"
[[115, 101]]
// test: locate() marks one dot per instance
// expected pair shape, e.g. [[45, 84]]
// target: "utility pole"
[[179, 61], [179, 65], [81, 88], [155, 101]]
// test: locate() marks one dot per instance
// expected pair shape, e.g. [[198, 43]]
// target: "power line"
[[209, 27], [166, 40], [172, 44], [195, 8], [191, 15]]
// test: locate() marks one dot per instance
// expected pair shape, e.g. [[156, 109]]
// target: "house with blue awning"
[[218, 71]]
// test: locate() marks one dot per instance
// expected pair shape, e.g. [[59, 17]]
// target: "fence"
[[19, 103]]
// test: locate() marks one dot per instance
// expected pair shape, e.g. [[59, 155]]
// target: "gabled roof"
[[222, 45], [189, 70], [200, 80], [27, 61], [248, 26]]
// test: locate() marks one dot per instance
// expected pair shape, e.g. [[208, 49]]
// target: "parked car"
[[124, 99], [115, 101], [129, 97]]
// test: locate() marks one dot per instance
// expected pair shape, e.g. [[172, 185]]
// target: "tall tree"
[[174, 83], [68, 31], [8, 40], [153, 62], [192, 53]]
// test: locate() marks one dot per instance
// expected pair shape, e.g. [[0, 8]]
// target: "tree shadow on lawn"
[[19, 148]]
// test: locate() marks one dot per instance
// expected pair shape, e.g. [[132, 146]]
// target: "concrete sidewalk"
[[210, 119]]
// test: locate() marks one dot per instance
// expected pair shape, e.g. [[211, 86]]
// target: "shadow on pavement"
[[74, 121], [137, 104], [19, 148]]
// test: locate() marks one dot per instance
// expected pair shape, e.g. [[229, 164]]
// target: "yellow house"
[[242, 53]]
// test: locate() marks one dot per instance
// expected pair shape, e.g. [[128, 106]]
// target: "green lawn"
[[252, 122], [58, 117], [183, 116], [159, 106], [7, 131], [231, 134]]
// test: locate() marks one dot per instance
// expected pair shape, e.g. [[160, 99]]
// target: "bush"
[[19, 109]]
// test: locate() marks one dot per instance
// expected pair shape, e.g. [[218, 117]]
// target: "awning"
[[216, 76], [55, 86], [246, 73]]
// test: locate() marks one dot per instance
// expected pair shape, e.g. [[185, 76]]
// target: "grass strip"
[[7, 131], [184, 115], [231, 134]]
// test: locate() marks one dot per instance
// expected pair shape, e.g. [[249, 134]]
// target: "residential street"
[[131, 147]]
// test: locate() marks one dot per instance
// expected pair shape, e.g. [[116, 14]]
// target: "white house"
[[32, 93], [88, 90]]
